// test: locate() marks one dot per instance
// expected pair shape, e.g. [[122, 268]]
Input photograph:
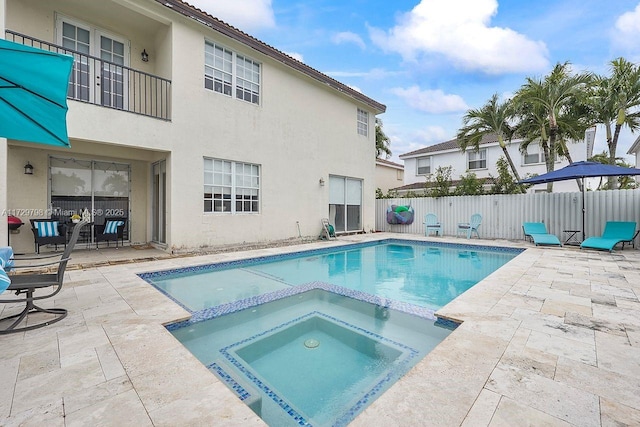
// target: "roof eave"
[[225, 29]]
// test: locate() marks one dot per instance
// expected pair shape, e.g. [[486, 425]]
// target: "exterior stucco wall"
[[301, 131], [388, 177]]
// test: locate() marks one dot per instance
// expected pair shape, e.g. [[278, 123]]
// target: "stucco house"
[[388, 174], [196, 132], [420, 165], [634, 150]]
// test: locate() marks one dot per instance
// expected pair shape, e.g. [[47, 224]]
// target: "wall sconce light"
[[144, 55], [28, 169], [321, 182]]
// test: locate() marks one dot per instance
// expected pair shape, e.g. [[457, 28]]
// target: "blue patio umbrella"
[[581, 170], [33, 94]]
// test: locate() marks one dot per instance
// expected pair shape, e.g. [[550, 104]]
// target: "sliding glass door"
[[345, 203], [101, 187]]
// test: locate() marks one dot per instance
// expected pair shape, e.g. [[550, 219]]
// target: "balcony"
[[99, 82]]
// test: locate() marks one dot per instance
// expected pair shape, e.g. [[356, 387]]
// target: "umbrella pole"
[[583, 194]]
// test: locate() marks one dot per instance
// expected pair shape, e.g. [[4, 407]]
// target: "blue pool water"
[[313, 357], [313, 338], [427, 275]]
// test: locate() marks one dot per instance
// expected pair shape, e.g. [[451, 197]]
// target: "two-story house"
[[421, 165], [196, 132]]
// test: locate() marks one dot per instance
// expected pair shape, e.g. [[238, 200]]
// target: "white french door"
[[95, 81]]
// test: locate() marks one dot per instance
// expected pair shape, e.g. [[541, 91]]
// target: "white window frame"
[[231, 187], [363, 122], [539, 157], [232, 74], [428, 159], [474, 157]]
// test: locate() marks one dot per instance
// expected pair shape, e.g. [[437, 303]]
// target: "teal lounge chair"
[[538, 233], [614, 232]]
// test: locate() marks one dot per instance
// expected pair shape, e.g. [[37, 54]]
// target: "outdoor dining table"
[[6, 262]]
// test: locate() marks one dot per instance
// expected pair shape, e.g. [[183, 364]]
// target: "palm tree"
[[552, 97], [615, 100], [492, 118], [382, 141]]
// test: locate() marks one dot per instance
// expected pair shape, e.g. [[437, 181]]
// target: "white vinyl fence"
[[503, 214]]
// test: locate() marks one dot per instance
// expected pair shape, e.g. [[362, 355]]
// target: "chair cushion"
[[47, 228], [111, 227]]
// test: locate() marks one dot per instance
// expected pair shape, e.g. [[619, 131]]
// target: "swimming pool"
[[426, 274], [367, 309]]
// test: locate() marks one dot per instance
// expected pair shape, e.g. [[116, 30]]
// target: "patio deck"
[[552, 338]]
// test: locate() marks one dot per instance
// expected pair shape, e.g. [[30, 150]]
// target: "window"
[[363, 123], [423, 166], [219, 73], [231, 187], [478, 160], [533, 158]]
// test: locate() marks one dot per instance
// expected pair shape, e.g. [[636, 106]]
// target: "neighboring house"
[[420, 165], [198, 133], [388, 175], [634, 150]]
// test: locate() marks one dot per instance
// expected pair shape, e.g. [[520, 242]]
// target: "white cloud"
[[431, 101], [247, 15], [296, 55], [348, 37], [628, 29], [460, 31], [374, 74]]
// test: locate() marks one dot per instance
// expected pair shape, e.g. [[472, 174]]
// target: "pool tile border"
[[408, 352], [149, 276], [232, 307]]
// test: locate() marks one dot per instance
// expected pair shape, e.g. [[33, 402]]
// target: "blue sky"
[[430, 61]]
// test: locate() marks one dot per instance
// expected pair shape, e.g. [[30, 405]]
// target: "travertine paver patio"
[[552, 338]]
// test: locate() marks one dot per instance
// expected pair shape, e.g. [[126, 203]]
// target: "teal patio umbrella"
[[33, 94]]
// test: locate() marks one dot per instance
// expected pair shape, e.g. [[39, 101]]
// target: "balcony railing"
[[108, 84]]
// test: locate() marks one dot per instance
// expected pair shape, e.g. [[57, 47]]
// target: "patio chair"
[[470, 227], [48, 231], [614, 232], [537, 231], [28, 284], [111, 231], [431, 224]]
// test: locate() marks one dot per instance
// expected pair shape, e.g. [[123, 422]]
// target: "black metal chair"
[[28, 284], [41, 239], [102, 234]]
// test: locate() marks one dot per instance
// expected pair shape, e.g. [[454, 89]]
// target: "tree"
[[382, 141], [614, 101], [441, 186], [469, 185], [504, 182], [492, 118], [551, 98], [623, 182]]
